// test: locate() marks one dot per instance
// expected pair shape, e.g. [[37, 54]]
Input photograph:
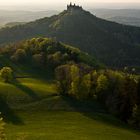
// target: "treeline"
[[45, 52], [118, 91]]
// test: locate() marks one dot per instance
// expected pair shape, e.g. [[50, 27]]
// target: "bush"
[[6, 74]]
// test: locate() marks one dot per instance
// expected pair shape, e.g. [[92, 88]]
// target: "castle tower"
[[74, 7]]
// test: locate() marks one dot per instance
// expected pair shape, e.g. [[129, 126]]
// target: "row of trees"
[[41, 52], [119, 92]]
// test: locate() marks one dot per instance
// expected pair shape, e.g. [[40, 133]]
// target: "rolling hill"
[[113, 44], [33, 111], [32, 107]]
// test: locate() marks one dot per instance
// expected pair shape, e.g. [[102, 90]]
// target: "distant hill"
[[109, 13], [123, 16], [113, 44], [126, 20], [7, 16], [11, 24]]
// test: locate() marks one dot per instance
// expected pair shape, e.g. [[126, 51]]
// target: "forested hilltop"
[[44, 53], [114, 44]]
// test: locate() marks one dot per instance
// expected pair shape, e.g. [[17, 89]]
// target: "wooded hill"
[[44, 53], [113, 44]]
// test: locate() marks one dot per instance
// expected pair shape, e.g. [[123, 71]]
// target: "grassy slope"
[[60, 125], [37, 113]]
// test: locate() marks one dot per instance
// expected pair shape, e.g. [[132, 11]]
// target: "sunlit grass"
[[62, 125], [36, 112]]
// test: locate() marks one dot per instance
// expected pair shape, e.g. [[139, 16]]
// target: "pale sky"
[[61, 4], [13, 2]]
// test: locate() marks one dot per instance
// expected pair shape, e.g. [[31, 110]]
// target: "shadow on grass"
[[26, 89], [30, 71], [95, 111], [84, 106], [8, 114]]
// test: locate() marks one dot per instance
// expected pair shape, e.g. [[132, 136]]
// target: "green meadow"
[[33, 110]]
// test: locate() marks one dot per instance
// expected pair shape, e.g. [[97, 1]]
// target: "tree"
[[94, 77], [85, 87], [19, 55], [138, 92], [55, 59], [135, 119], [128, 97], [2, 130], [116, 80], [6, 74], [102, 87], [63, 77], [38, 60], [75, 81]]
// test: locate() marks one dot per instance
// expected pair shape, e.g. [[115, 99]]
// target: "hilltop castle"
[[74, 7]]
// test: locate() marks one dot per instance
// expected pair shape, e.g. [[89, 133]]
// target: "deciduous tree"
[[6, 74]]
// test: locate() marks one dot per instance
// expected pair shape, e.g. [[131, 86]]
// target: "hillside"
[[32, 106], [96, 36], [33, 110], [43, 53]]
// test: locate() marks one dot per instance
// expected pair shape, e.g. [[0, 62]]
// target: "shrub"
[[6, 74]]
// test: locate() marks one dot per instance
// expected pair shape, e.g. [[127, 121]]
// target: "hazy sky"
[[61, 4], [13, 2]]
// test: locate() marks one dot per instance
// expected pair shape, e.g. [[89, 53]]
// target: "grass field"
[[62, 125], [33, 111]]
